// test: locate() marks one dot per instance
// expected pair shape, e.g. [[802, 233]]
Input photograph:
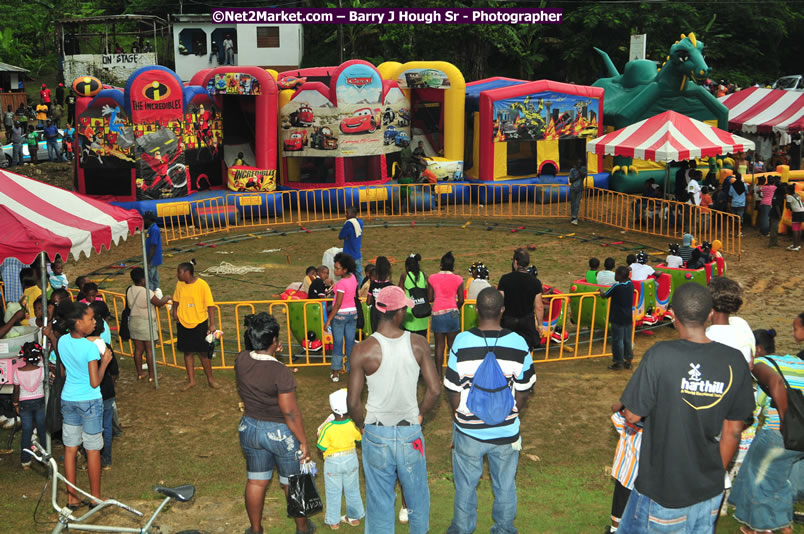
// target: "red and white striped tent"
[[667, 137], [36, 217], [759, 110]]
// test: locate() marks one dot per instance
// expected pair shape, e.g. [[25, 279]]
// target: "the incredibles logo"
[[87, 86], [156, 91]]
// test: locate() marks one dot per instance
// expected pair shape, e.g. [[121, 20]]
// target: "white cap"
[[337, 401]]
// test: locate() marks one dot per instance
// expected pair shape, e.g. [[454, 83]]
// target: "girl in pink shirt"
[[445, 291], [343, 316], [767, 189]]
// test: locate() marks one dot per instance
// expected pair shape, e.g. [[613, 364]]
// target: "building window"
[[192, 41], [268, 37]]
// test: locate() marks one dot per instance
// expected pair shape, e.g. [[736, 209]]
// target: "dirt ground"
[[173, 437]]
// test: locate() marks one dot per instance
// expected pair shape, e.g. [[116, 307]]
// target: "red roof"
[[667, 137], [37, 217], [765, 110]]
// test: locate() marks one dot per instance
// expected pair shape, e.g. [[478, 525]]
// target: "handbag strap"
[[786, 384]]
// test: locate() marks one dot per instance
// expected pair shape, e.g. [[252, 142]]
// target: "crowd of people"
[[679, 447], [28, 125]]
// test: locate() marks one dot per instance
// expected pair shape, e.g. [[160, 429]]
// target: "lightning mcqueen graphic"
[[362, 120]]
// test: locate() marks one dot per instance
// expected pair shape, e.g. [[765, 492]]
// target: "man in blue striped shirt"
[[472, 438]]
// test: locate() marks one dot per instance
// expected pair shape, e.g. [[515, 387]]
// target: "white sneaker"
[[10, 423], [3, 419], [574, 221], [403, 516], [796, 249]]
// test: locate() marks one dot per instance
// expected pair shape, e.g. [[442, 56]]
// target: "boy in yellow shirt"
[[336, 438]]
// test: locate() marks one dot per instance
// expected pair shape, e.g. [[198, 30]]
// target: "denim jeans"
[[153, 276], [16, 154], [229, 56], [739, 211], [344, 326], [266, 445], [32, 413], [764, 219], [359, 270], [108, 418], [621, 348], [773, 236], [391, 453], [645, 516], [53, 152], [575, 196], [342, 476], [467, 468], [765, 488]]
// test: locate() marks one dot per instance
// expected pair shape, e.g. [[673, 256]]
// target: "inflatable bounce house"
[[531, 129], [157, 139], [646, 89]]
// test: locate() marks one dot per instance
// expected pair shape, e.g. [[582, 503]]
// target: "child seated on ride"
[[625, 468], [686, 247], [640, 270], [478, 281], [363, 290], [309, 275], [606, 276], [90, 291], [674, 260], [696, 260], [57, 278], [591, 274], [319, 288], [336, 438], [28, 397]]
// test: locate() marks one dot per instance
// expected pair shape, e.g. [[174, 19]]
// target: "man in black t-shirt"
[[523, 299], [777, 209], [694, 396]]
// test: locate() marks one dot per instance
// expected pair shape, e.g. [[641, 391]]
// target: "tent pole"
[[666, 178], [46, 383], [150, 317]]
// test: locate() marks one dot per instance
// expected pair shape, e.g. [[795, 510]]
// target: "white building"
[[278, 47]]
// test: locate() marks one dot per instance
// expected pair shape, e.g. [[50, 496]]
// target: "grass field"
[[568, 442]]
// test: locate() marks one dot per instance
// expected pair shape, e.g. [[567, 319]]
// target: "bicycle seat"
[[180, 493]]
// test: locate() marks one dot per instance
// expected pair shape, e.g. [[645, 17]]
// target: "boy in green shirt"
[[32, 144]]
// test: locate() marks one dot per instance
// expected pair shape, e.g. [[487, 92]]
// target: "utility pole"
[[340, 38]]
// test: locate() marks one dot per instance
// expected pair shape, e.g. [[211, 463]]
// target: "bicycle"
[[66, 520]]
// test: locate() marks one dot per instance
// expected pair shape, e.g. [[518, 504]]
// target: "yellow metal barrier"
[[584, 339], [666, 218], [458, 200]]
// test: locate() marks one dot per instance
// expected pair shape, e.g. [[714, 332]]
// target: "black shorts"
[[798, 216], [619, 500], [193, 339]]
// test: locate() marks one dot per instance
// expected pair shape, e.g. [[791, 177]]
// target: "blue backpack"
[[490, 397]]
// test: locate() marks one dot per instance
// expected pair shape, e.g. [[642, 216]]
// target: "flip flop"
[[79, 505], [349, 521]]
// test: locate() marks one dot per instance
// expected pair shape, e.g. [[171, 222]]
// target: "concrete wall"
[[112, 69], [287, 56]]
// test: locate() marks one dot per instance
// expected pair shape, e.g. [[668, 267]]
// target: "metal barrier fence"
[[666, 218], [582, 340], [184, 219]]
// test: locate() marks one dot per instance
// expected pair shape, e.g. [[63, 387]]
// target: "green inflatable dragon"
[[645, 89]]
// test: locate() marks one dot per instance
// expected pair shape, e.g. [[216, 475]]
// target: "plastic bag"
[[303, 497]]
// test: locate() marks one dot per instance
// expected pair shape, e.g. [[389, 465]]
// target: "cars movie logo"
[[360, 81]]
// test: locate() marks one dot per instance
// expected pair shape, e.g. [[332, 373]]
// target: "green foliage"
[[757, 42]]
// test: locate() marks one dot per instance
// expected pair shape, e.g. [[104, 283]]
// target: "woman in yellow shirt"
[[41, 115], [194, 313]]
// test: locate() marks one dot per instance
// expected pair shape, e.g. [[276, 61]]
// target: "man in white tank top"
[[393, 446]]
